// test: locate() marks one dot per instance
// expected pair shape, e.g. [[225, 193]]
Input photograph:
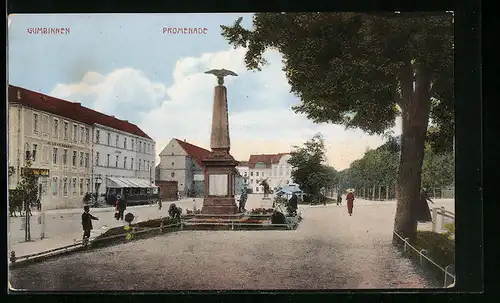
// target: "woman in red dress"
[[350, 202]]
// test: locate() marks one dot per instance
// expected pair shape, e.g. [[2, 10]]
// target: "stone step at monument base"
[[218, 217]]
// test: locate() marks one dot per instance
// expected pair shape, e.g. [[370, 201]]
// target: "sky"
[[127, 66]]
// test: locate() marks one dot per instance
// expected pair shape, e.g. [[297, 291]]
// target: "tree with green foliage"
[[363, 70], [309, 170], [438, 169], [26, 191]]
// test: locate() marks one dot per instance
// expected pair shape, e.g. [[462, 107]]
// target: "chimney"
[[18, 94], [185, 140]]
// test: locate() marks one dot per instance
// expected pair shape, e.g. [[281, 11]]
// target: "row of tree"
[[375, 175]]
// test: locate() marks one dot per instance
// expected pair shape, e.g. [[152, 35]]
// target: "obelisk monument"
[[220, 166]]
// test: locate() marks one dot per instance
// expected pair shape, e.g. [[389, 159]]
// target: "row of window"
[[142, 147], [68, 186], [245, 181], [79, 134], [263, 174], [83, 161], [141, 164]]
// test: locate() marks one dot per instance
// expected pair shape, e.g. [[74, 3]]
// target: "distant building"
[[273, 167], [181, 162]]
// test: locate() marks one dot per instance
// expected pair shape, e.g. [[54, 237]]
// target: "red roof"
[[70, 110], [243, 163], [266, 159], [195, 152]]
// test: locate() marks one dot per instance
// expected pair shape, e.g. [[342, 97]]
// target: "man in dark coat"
[[292, 204], [423, 211], [87, 222], [122, 206]]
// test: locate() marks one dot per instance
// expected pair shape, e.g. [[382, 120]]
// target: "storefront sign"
[[42, 172], [61, 145]]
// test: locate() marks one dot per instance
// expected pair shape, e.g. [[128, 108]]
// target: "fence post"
[[422, 252], [434, 218], [442, 218], [406, 242]]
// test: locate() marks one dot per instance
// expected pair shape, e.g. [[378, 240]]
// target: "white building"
[[58, 139], [81, 148], [244, 177], [122, 154], [181, 163], [273, 167]]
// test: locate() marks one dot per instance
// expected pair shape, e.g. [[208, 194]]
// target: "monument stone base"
[[217, 206]]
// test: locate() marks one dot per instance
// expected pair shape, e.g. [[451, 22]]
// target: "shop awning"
[[116, 182]]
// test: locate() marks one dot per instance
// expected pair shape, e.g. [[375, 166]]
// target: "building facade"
[[273, 167], [56, 142], [181, 162], [69, 141], [121, 156], [243, 178]]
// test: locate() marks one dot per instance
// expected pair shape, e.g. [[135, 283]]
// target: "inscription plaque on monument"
[[218, 185]]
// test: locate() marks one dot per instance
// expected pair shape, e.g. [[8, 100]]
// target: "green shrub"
[[440, 249]]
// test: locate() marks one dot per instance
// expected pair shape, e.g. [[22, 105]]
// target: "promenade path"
[[329, 250]]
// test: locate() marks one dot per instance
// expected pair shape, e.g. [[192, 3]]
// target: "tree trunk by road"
[[415, 106], [387, 188], [373, 193]]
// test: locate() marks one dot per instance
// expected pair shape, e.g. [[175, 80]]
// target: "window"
[[140, 146], [81, 187], [65, 130], [116, 162], [82, 134], [87, 158], [45, 124], [125, 162], [257, 173], [125, 143], [74, 186], [139, 164], [56, 128], [54, 156], [74, 158], [251, 173], [173, 163], [81, 159], [263, 174], [117, 140], [54, 186], [172, 174], [65, 186], [75, 133], [87, 136], [109, 139], [87, 181], [132, 163], [65, 157], [97, 136], [97, 158], [257, 189], [245, 174], [108, 158], [35, 123], [33, 153], [144, 164], [132, 144], [251, 181]]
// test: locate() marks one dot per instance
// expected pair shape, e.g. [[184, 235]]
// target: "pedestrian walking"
[[423, 211], [350, 201], [87, 222], [121, 207], [159, 204], [292, 204], [38, 204], [339, 199]]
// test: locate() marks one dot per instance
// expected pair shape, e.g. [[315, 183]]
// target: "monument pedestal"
[[220, 175]]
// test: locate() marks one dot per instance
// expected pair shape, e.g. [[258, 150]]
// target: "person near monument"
[[243, 199], [87, 222], [423, 211], [350, 201], [292, 204]]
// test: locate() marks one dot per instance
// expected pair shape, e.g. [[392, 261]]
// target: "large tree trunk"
[[415, 106], [373, 193], [387, 188]]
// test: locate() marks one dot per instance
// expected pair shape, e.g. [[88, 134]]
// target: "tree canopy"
[[362, 70], [309, 169]]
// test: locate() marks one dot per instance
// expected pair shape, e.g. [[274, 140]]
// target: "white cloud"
[[261, 120]]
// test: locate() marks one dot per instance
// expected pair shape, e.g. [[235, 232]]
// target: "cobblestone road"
[[330, 250]]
